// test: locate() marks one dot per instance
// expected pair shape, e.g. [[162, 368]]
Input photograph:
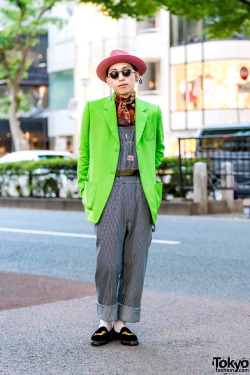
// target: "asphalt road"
[[210, 259], [196, 301]]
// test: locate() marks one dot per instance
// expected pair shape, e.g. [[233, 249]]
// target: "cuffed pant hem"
[[107, 313], [129, 314]]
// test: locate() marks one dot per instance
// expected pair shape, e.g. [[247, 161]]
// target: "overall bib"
[[124, 234]]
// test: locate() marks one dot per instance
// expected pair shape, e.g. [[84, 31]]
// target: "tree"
[[222, 18], [21, 21]]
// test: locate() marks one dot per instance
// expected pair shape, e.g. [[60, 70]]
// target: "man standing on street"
[[121, 146]]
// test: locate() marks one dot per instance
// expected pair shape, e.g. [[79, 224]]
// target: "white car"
[[35, 155]]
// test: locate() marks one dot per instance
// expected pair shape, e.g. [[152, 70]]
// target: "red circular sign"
[[244, 72]]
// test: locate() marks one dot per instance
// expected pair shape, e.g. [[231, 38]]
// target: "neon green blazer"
[[99, 151]]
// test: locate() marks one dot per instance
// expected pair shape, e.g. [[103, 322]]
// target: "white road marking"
[[167, 242], [65, 234]]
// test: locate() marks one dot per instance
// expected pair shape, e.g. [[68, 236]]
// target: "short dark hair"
[[134, 67]]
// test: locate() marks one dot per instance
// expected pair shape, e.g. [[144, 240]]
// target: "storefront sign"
[[245, 87], [244, 72]]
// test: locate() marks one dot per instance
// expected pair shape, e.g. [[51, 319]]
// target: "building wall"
[[184, 80], [61, 69]]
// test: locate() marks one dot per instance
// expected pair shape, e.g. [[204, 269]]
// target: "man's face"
[[123, 86]]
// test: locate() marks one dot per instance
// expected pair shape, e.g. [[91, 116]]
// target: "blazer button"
[[113, 172], [117, 149]]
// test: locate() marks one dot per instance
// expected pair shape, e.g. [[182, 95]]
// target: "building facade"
[[196, 82]]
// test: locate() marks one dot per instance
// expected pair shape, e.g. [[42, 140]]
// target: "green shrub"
[[44, 178], [169, 174]]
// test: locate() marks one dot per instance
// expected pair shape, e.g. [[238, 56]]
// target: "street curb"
[[175, 207], [61, 204]]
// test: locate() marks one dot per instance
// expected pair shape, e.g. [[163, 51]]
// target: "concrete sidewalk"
[[178, 335]]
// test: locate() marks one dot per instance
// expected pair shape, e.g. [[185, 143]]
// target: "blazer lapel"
[[111, 118], [140, 118]]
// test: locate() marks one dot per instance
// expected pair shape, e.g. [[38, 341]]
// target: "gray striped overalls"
[[124, 234]]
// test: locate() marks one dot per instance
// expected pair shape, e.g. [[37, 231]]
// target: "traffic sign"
[[244, 72]]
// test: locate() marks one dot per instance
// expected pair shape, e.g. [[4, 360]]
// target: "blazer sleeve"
[[83, 152], [159, 152]]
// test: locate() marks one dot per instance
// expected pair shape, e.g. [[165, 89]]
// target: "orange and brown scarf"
[[125, 109]]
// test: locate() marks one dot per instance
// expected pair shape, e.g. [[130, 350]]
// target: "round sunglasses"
[[114, 74]]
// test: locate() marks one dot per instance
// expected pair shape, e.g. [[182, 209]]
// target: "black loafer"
[[125, 336], [100, 337]]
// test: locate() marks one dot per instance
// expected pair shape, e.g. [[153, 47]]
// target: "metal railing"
[[227, 158]]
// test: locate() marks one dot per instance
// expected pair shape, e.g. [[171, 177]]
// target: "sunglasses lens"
[[126, 72], [114, 74]]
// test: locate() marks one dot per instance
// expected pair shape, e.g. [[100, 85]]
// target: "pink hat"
[[118, 56]]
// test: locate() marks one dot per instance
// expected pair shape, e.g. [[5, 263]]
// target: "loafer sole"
[[99, 343], [130, 343]]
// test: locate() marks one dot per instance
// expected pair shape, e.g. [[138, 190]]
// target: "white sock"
[[118, 325], [108, 325]]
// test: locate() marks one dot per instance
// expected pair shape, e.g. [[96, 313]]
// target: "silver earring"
[[140, 80], [110, 93]]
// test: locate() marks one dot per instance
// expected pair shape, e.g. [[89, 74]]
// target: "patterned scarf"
[[125, 109]]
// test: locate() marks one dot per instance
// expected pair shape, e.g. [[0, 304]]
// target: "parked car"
[[227, 143], [35, 155]]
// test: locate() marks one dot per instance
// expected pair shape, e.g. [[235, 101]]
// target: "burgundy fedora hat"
[[118, 56]]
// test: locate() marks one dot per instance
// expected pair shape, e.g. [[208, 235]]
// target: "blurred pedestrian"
[[121, 146]]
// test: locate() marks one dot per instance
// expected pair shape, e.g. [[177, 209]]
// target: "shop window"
[[61, 89], [194, 97], [216, 86], [178, 88], [221, 80]]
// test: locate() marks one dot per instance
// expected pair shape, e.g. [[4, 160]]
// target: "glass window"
[[176, 31], [178, 88], [146, 25], [35, 132], [194, 83], [225, 144], [239, 131], [217, 86], [194, 31], [149, 79], [37, 96], [221, 80], [184, 31], [61, 89], [37, 72]]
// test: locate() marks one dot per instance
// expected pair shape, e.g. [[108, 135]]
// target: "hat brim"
[[105, 64]]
